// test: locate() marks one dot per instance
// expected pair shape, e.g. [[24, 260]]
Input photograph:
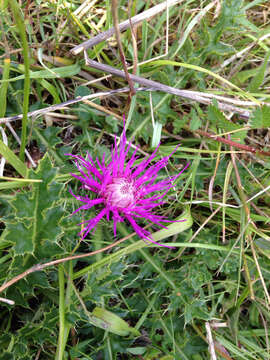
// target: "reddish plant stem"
[[232, 143], [39, 267], [121, 51], [134, 39]]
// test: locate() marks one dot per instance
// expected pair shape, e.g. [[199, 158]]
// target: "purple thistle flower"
[[123, 189]]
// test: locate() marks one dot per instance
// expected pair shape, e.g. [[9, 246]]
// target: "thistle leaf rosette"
[[123, 189]]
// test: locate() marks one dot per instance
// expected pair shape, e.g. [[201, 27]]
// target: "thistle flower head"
[[122, 188]]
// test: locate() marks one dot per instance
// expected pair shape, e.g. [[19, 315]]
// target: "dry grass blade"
[[210, 341], [124, 25]]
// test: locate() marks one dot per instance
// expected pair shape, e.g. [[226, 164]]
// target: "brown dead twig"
[[232, 143], [134, 39]]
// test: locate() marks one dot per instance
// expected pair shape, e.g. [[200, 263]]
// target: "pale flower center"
[[120, 193]]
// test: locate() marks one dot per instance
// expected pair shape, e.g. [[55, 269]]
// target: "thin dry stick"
[[260, 273], [265, 325], [121, 51], [224, 99], [103, 109], [253, 176], [69, 102], [13, 132], [217, 348], [39, 267], [244, 204], [3, 160], [210, 341], [124, 25], [259, 193], [212, 180], [61, 116], [191, 95], [242, 52], [188, 94], [7, 301]]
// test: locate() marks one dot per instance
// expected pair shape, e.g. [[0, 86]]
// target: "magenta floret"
[[122, 189]]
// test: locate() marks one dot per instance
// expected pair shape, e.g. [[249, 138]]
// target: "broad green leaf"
[[243, 76], [195, 122], [139, 350], [48, 139]]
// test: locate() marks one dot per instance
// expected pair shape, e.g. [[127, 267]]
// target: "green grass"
[[135, 300]]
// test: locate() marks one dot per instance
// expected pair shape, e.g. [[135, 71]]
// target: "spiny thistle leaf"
[[36, 217]]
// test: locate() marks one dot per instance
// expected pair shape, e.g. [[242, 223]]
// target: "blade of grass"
[[13, 159], [60, 72], [22, 31], [3, 97], [4, 87], [225, 189], [60, 347]]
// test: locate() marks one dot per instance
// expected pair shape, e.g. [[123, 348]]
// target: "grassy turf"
[[208, 298]]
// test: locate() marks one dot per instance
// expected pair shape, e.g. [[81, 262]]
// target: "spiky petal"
[[123, 189]]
